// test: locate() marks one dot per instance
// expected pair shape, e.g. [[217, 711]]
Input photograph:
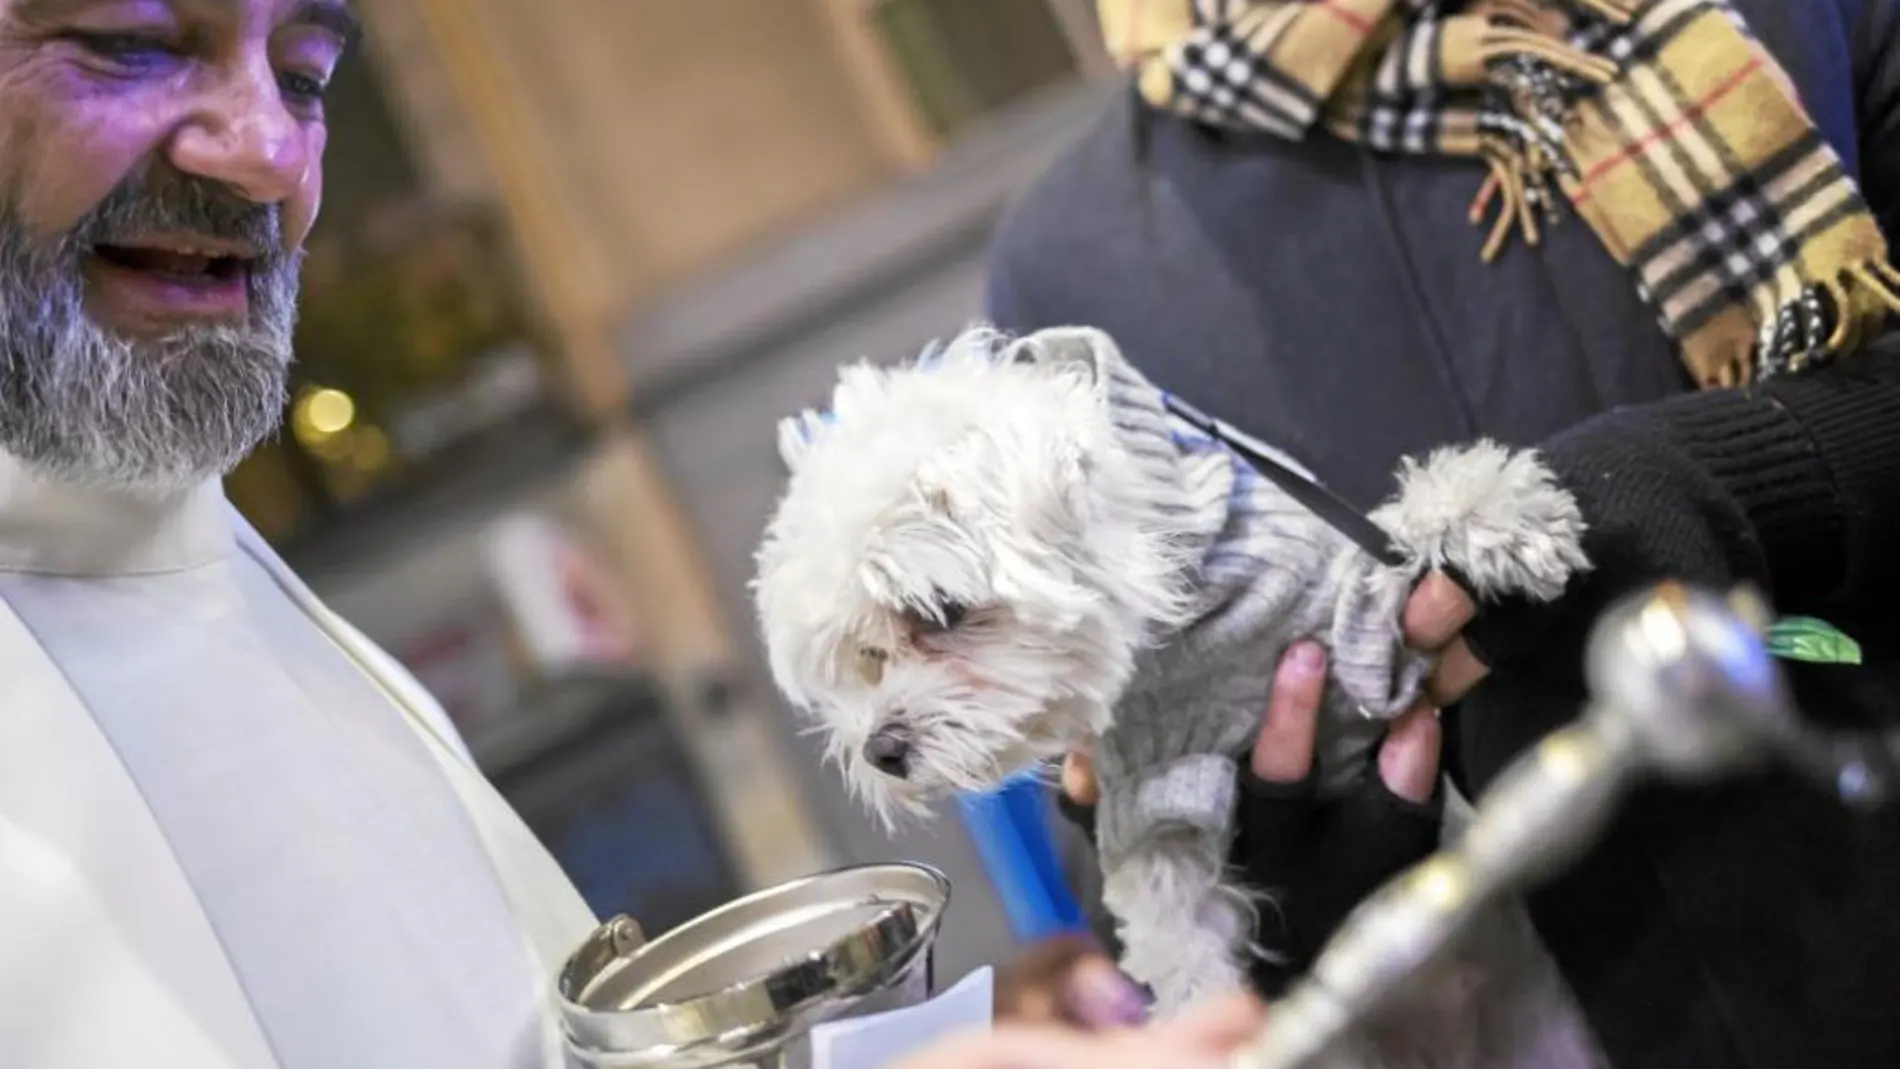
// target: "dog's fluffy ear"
[[797, 435], [1083, 351]]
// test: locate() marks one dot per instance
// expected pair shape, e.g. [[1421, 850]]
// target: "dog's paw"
[[1495, 516]]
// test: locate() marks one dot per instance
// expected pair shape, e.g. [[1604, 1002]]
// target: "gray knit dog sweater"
[[1262, 572], [1270, 573]]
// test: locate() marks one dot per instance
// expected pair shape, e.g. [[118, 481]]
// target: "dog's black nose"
[[889, 753]]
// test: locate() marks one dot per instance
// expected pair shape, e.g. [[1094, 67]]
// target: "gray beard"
[[154, 417]]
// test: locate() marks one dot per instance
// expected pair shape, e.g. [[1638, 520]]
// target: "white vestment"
[[233, 833]]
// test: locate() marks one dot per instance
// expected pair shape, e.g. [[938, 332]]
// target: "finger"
[[1436, 612], [1097, 995], [1408, 759], [1283, 753], [1458, 670], [1276, 800], [1078, 779]]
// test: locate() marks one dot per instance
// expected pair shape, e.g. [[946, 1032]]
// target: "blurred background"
[[576, 259]]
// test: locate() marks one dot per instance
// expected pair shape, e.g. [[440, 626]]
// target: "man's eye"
[[127, 49], [303, 88]]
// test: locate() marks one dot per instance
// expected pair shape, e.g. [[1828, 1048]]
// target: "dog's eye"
[[944, 614]]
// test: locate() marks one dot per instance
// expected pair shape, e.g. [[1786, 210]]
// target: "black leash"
[[1325, 504]]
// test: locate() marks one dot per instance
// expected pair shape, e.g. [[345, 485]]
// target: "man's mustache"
[[181, 204]]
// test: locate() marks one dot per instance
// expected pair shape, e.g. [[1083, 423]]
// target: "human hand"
[[1202, 1038], [1320, 857]]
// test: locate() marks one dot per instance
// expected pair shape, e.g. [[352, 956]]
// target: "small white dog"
[[1009, 550]]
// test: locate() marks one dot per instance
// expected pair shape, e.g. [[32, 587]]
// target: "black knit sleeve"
[[1850, 420], [1793, 486]]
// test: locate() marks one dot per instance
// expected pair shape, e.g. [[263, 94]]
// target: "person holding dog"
[[1275, 221], [1673, 489]]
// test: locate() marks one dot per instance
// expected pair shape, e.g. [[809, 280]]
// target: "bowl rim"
[[755, 1011]]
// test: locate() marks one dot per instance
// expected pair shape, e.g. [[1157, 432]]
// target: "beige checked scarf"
[[1662, 123]]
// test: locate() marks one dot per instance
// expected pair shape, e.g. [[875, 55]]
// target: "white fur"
[[1496, 515], [999, 483], [1186, 925], [993, 482]]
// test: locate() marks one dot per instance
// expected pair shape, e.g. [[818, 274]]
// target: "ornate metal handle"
[[1682, 689]]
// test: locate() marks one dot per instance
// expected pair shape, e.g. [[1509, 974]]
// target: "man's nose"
[[888, 751], [242, 134]]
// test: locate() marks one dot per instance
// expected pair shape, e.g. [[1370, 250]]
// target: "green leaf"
[[1803, 638]]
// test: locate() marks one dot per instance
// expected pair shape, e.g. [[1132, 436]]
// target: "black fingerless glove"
[[1318, 857]]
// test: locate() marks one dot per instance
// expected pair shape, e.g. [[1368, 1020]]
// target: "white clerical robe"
[[233, 833]]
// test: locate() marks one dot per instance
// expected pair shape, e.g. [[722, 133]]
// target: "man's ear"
[[797, 435]]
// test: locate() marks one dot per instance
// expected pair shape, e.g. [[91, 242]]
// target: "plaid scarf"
[[1663, 124]]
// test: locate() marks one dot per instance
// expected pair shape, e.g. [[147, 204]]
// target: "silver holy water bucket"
[[743, 985]]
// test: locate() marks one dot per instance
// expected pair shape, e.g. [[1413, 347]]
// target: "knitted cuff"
[[1196, 792], [1760, 454], [1850, 416]]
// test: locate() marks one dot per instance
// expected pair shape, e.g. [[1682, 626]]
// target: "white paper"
[[881, 1039]]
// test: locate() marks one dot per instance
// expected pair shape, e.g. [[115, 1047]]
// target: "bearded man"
[[233, 834]]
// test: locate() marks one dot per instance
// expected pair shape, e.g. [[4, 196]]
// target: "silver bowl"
[[744, 984]]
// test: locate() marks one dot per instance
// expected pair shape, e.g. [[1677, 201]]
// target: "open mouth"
[[177, 265]]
